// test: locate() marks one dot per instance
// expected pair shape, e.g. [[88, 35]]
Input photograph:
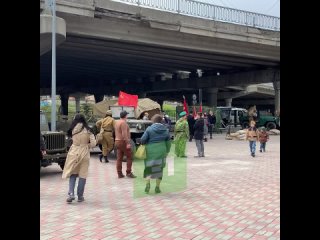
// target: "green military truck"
[[56, 145], [263, 119]]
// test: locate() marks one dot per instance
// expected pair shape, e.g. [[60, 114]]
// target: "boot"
[[106, 159], [157, 189], [100, 157], [147, 189]]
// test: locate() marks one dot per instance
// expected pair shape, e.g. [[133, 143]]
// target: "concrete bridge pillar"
[[212, 97], [98, 97], [77, 98], [276, 86], [161, 103], [64, 103], [142, 95], [228, 102]]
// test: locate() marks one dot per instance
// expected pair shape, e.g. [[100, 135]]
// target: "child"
[[263, 139], [252, 135]]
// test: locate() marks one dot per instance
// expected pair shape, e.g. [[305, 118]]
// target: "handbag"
[[99, 136], [141, 153]]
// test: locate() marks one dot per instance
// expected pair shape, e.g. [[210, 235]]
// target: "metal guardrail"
[[210, 11]]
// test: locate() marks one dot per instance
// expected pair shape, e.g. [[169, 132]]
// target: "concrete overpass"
[[112, 46]]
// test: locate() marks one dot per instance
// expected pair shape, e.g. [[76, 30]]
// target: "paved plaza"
[[228, 195]]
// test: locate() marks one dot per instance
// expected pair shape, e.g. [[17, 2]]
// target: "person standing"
[[181, 135], [211, 121], [205, 129], [252, 136], [123, 145], [198, 134], [77, 162], [42, 146], [157, 140], [191, 122], [108, 124], [263, 139], [146, 116]]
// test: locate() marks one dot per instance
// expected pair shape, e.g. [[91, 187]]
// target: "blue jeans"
[[252, 145], [200, 147], [263, 146], [72, 184]]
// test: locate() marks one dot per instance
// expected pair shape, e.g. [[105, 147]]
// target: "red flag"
[[194, 112], [126, 99], [185, 107], [200, 110]]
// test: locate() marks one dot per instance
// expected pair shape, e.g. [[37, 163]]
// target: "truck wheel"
[[245, 125], [271, 125], [62, 165]]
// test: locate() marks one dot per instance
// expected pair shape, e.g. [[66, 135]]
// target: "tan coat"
[[252, 135], [78, 157]]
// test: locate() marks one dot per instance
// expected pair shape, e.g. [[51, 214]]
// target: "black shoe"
[[70, 199], [260, 150], [253, 155], [106, 159], [80, 199], [264, 150], [120, 175], [147, 189], [157, 190], [131, 175], [100, 157]]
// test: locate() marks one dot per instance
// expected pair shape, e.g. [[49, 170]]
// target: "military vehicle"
[[56, 145], [136, 123], [263, 119]]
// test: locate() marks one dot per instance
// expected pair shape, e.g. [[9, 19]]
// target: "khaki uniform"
[[108, 125]]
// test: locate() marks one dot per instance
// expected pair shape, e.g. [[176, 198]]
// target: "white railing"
[[210, 11]]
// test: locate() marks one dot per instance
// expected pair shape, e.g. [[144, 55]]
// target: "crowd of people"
[[156, 138]]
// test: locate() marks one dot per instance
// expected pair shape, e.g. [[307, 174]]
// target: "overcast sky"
[[269, 7]]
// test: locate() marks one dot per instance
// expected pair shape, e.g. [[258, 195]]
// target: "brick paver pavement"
[[229, 195]]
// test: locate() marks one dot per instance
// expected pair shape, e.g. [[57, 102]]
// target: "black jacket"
[[191, 123], [211, 119], [199, 129]]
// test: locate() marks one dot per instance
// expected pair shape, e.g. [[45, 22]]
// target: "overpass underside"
[[111, 47]]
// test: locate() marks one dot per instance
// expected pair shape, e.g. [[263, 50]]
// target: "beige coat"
[[252, 135], [78, 157]]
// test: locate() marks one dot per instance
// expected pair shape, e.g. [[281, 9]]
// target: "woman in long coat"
[[181, 135], [77, 162], [157, 140]]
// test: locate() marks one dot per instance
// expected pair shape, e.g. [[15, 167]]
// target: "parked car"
[[56, 145]]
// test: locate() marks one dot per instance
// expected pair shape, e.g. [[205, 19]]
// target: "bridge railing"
[[210, 11]]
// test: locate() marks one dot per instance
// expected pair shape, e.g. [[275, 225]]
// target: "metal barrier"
[[210, 11]]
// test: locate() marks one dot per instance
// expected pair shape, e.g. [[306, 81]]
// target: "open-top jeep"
[[56, 145]]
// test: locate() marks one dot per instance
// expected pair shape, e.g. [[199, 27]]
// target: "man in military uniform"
[[108, 124]]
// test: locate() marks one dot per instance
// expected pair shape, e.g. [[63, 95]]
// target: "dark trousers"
[[191, 137], [210, 129], [121, 151]]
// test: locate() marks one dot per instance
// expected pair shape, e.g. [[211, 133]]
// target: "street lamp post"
[[53, 71]]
